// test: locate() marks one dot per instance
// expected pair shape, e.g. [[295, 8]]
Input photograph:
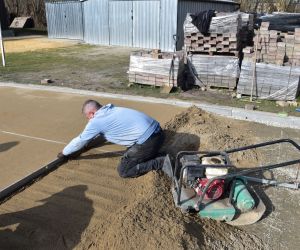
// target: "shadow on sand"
[[55, 224], [8, 145]]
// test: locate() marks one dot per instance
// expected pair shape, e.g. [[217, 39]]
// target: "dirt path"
[[86, 205]]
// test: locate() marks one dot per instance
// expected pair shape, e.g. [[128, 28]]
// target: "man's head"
[[90, 107]]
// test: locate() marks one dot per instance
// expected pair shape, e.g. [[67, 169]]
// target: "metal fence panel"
[[96, 22], [168, 24], [146, 22], [65, 20], [120, 23]]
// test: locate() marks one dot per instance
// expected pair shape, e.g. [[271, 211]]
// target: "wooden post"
[[2, 47]]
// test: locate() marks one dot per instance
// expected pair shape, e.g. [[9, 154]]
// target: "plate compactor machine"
[[208, 184]]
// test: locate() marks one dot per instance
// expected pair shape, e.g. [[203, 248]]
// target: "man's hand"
[[60, 155]]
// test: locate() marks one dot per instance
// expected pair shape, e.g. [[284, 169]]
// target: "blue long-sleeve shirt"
[[118, 125]]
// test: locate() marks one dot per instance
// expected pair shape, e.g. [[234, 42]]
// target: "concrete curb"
[[267, 118]]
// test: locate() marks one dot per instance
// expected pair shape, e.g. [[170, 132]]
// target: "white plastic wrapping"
[[223, 23], [140, 64], [147, 69], [273, 82], [216, 65]]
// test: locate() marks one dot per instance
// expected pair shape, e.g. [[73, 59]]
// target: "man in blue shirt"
[[141, 134]]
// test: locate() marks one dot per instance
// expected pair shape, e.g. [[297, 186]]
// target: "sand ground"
[[86, 205], [36, 43]]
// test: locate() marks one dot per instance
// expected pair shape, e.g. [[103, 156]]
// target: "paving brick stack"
[[154, 68], [275, 47], [216, 71], [277, 68], [272, 82], [295, 53], [223, 36]]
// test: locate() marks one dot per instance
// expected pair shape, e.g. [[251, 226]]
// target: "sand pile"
[[195, 129]]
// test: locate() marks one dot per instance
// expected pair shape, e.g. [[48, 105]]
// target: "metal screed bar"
[[21, 184]]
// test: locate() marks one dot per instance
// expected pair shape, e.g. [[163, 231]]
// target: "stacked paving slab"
[[223, 35], [154, 68], [272, 82], [214, 57], [216, 71], [277, 71], [275, 47]]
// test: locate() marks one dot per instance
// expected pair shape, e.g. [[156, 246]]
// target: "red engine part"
[[215, 190]]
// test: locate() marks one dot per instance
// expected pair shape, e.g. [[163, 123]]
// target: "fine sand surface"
[[32, 44], [86, 205]]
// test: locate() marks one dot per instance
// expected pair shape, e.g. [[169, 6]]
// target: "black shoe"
[[167, 167]]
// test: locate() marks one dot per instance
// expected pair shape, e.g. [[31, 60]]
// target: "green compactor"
[[208, 184]]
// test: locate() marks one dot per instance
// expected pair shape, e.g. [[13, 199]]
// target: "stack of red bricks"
[[223, 36], [213, 43]]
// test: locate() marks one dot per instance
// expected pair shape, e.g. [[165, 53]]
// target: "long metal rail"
[[23, 183]]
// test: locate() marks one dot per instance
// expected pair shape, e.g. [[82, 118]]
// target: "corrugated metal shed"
[[65, 19], [152, 24], [96, 22]]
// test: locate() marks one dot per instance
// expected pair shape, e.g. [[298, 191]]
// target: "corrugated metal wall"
[[96, 20], [185, 7], [139, 23], [146, 23], [65, 19], [168, 24], [120, 23]]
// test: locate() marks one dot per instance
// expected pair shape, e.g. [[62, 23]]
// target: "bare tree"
[[283, 5], [269, 5], [33, 8]]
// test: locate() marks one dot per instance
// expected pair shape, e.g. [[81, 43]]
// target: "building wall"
[[96, 21], [185, 7], [138, 23], [65, 19], [168, 28], [151, 24]]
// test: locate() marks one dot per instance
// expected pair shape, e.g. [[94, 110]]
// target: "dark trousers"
[[140, 158]]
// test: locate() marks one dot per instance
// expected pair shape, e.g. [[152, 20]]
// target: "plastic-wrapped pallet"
[[223, 36], [272, 82], [216, 71], [154, 70], [222, 23]]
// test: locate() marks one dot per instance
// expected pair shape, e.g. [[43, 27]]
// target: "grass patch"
[[65, 65], [101, 68]]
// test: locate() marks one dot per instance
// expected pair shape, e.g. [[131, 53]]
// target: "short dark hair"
[[91, 103]]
